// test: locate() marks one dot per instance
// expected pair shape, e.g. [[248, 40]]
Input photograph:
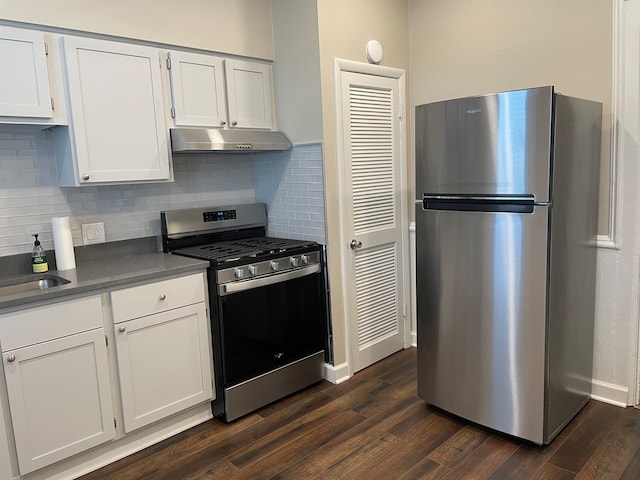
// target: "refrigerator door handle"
[[480, 203]]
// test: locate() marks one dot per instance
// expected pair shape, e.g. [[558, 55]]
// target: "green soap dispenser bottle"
[[38, 257]]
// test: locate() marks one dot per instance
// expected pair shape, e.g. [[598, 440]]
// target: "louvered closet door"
[[373, 217]]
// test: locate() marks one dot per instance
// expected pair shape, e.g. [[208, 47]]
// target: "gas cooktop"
[[247, 248]]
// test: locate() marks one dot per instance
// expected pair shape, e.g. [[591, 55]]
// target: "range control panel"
[[219, 215], [268, 267]]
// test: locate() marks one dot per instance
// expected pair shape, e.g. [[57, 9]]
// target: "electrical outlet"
[[93, 233]]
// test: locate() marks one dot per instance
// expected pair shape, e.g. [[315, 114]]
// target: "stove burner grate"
[[245, 248]]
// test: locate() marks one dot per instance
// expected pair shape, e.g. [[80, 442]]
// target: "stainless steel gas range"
[[267, 299]]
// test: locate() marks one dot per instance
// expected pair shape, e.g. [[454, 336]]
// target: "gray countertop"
[[100, 274]]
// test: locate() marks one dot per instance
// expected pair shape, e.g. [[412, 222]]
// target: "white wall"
[[297, 70], [241, 27], [469, 47]]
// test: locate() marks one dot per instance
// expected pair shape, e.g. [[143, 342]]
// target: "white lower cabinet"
[[163, 364], [162, 348], [63, 378], [58, 389]]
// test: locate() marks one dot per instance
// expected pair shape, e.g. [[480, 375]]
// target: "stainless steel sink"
[[30, 283]]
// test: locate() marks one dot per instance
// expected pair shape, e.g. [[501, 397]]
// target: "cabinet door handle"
[[11, 358], [163, 297], [223, 123], [122, 329], [234, 123], [86, 177]]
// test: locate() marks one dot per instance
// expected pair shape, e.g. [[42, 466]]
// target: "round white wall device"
[[374, 51]]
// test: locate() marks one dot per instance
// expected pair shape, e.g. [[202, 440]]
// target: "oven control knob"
[[305, 259], [253, 270], [274, 266], [239, 273], [294, 262]]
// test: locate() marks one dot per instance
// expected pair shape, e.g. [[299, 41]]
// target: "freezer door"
[[492, 144], [481, 300]]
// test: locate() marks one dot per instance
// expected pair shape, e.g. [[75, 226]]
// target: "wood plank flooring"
[[375, 427]]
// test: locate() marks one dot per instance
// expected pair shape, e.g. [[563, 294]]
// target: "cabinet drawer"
[[134, 302], [48, 322]]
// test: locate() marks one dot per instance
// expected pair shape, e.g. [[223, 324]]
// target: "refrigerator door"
[[492, 144], [482, 287]]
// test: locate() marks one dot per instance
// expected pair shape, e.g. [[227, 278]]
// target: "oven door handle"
[[235, 287]]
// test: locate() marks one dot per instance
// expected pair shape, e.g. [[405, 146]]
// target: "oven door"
[[265, 323]]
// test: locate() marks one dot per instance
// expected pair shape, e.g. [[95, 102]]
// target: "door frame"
[[339, 66], [616, 375], [626, 94]]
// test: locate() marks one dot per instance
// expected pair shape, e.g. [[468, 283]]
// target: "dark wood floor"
[[375, 427]]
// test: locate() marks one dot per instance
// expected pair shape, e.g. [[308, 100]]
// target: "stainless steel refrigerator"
[[506, 220]]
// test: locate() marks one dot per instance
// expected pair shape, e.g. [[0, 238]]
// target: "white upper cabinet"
[[24, 86], [117, 130], [205, 94], [249, 94], [197, 89], [30, 86]]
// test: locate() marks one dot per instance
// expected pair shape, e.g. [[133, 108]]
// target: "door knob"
[[355, 244]]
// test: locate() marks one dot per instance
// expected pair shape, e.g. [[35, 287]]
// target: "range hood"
[[202, 140]]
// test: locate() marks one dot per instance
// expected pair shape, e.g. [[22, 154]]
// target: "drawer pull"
[[122, 328], [163, 297], [11, 358]]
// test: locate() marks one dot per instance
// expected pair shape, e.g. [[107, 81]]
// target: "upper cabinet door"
[[197, 89], [24, 85], [117, 130], [249, 94]]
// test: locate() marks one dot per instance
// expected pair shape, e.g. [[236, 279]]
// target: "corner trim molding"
[[611, 240], [605, 241], [336, 374]]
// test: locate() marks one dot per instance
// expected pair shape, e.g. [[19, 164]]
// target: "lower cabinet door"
[[164, 364], [59, 398]]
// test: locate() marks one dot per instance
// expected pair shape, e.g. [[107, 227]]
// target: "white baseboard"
[[336, 373], [609, 393], [414, 339]]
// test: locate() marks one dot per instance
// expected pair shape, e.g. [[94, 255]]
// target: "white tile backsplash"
[[291, 184], [30, 196]]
